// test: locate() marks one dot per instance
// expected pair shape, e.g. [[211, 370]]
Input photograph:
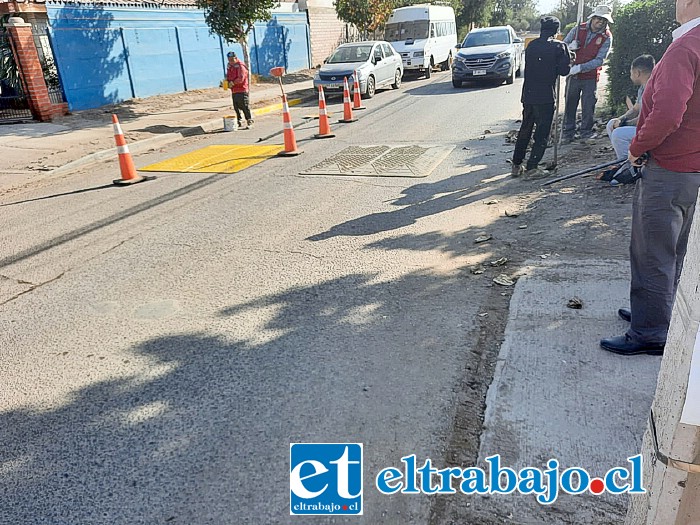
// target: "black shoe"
[[625, 175], [623, 345], [608, 174], [625, 314]]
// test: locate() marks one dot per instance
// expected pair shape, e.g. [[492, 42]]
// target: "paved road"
[[161, 345]]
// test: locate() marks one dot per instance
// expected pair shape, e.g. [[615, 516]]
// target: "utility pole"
[[671, 446], [579, 13]]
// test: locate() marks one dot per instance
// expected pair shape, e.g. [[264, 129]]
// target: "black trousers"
[[241, 103], [538, 116]]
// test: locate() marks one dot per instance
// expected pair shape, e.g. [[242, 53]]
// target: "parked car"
[[377, 64], [424, 35], [489, 53]]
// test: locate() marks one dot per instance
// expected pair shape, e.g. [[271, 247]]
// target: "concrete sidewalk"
[[556, 394], [37, 150]]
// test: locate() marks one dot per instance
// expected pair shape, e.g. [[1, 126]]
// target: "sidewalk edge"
[[140, 146]]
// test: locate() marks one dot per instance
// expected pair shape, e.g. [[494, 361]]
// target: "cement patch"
[[556, 394]]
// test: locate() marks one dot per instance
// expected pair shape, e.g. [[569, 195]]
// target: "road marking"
[[275, 107], [217, 159]]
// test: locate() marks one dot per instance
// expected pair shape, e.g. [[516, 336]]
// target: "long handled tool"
[[567, 89], [556, 126], [584, 171]]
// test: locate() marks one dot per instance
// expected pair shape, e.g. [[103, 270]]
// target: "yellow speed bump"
[[217, 159]]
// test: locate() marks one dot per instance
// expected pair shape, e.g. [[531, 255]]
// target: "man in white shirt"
[[621, 130]]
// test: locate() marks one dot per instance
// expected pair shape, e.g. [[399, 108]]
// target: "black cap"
[[549, 24]]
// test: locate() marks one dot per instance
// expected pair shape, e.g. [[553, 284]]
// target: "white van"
[[424, 35]]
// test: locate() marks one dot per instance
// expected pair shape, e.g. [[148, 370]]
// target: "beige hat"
[[602, 11]]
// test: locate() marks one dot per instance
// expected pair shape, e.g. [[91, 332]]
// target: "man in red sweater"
[[664, 200], [237, 76]]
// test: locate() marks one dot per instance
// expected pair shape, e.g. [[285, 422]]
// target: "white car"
[[377, 64]]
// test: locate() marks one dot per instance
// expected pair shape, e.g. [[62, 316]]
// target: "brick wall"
[[326, 31], [28, 62]]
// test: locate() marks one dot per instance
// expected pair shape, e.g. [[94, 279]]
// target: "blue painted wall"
[[109, 54]]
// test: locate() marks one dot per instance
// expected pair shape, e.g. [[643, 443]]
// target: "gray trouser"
[[585, 91], [662, 213]]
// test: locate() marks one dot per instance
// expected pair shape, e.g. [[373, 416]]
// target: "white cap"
[[602, 11]]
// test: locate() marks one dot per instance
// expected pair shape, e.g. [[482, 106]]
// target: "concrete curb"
[[143, 145]]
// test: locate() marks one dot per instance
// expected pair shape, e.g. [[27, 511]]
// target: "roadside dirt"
[[578, 218]]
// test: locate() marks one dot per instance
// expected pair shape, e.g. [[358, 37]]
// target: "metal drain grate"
[[383, 161]]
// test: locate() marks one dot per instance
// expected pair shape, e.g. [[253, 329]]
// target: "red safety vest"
[[586, 53]]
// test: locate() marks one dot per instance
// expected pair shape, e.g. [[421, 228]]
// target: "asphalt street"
[[163, 344]]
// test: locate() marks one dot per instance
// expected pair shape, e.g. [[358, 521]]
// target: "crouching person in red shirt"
[[237, 76], [664, 199]]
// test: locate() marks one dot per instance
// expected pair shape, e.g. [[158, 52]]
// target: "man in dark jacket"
[[545, 58]]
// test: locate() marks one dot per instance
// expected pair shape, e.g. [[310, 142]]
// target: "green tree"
[[524, 14], [518, 13], [232, 20], [641, 27], [502, 13], [366, 15], [474, 13], [568, 10], [500, 18]]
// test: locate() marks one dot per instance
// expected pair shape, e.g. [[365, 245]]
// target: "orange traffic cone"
[[324, 127], [357, 99], [347, 108], [126, 163], [290, 142]]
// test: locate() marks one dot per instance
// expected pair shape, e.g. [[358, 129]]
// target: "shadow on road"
[[420, 200], [196, 424]]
